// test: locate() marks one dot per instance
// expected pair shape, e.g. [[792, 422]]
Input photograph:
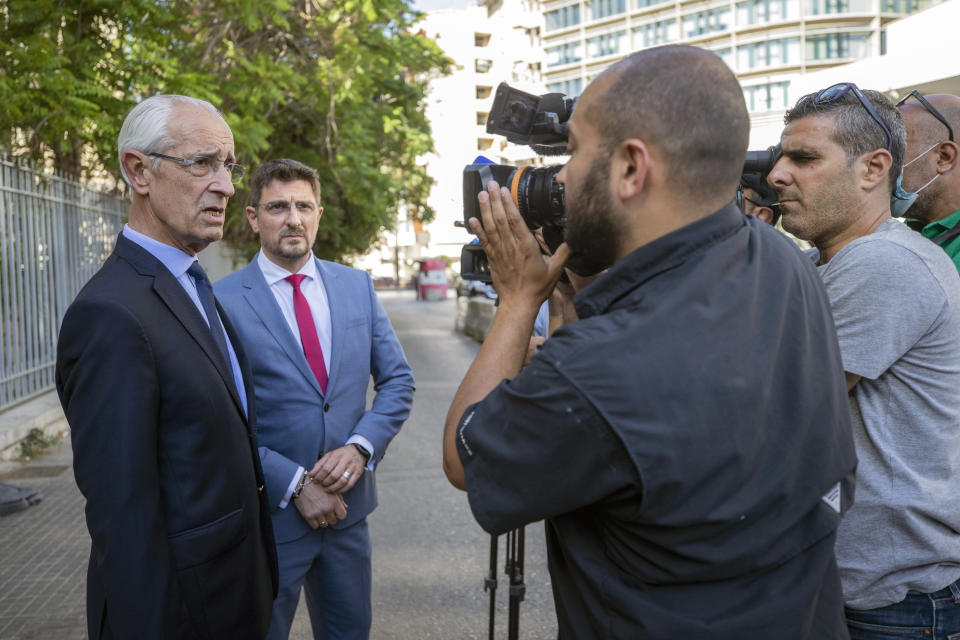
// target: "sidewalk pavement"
[[44, 551], [43, 554]]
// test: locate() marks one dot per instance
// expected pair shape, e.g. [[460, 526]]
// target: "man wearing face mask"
[[931, 178]]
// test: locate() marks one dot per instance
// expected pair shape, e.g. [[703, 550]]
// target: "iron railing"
[[54, 234]]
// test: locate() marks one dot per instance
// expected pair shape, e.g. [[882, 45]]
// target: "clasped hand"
[[319, 507]]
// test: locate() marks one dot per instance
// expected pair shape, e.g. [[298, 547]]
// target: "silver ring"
[[323, 523], [346, 474]]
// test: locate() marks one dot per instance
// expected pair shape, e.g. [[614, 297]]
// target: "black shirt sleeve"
[[535, 448]]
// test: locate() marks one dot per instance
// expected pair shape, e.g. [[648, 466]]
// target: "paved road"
[[429, 555]]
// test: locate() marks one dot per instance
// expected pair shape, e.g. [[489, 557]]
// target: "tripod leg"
[[490, 582], [514, 569]]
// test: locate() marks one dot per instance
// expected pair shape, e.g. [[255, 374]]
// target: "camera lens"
[[538, 195]]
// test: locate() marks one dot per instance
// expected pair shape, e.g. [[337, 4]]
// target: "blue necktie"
[[205, 291]]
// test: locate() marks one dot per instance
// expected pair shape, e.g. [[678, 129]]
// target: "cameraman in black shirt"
[[687, 439]]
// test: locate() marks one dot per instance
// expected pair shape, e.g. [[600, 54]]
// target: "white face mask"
[[901, 200]]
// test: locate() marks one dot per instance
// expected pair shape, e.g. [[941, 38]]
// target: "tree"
[[336, 84], [69, 71]]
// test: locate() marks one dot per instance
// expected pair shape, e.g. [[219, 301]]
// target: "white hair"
[[145, 127]]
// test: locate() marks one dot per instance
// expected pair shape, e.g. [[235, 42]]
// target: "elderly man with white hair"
[[156, 388]]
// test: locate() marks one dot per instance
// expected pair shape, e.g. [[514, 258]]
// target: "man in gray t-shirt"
[[895, 298]]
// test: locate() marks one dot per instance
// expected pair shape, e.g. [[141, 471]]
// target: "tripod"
[[513, 569]]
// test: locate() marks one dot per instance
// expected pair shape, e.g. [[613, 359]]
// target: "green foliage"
[[336, 84], [35, 443]]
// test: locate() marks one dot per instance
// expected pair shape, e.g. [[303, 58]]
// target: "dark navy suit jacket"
[[182, 545]]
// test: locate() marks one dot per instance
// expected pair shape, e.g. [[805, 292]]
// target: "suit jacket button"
[[326, 407]]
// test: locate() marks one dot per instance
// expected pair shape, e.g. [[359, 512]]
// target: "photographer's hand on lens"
[[319, 507], [518, 269]]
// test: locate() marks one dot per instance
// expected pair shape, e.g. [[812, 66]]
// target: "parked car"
[[470, 288]]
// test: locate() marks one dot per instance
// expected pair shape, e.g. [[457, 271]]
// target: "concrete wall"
[[474, 317]]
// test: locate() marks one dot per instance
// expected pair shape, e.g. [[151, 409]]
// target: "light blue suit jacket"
[[296, 421]]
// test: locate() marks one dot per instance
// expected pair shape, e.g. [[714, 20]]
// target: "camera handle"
[[513, 569]]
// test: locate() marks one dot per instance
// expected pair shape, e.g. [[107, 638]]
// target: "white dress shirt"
[[312, 289]]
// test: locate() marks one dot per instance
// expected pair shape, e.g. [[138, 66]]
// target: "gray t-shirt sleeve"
[[883, 298]]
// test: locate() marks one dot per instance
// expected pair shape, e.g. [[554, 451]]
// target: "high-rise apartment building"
[[767, 43], [492, 42]]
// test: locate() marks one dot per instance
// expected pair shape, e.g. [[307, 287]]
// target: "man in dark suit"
[[156, 388], [316, 335]]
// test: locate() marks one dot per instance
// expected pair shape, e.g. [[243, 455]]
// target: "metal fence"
[[54, 234]]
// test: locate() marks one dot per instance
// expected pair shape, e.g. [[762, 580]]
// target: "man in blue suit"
[[315, 333]]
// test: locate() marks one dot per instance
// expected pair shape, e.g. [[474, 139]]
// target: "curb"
[[42, 412]]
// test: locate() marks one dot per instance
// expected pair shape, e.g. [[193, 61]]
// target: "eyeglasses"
[[837, 91], [929, 107], [283, 207], [202, 166]]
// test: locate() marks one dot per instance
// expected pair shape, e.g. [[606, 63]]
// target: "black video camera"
[[541, 123], [754, 176]]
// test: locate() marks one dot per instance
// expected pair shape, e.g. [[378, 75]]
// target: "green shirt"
[[939, 228]]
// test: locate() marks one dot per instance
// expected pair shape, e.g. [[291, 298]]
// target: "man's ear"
[[135, 165], [252, 219], [631, 164], [764, 213], [875, 168], [319, 212], [947, 156]]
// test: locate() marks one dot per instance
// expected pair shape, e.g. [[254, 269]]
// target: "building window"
[[482, 118], [603, 8], [772, 53], [726, 55], [569, 88], [563, 17], [481, 39], [649, 3], [903, 6], [484, 92], [655, 33], [766, 97], [820, 7], [483, 66], [703, 22], [605, 45], [484, 143], [833, 46], [763, 11], [564, 54]]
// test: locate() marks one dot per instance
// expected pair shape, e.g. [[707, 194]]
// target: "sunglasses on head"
[[837, 91], [929, 107]]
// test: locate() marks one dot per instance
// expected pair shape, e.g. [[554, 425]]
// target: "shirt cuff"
[[363, 442], [291, 488]]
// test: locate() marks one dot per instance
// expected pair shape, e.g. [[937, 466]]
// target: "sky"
[[431, 5]]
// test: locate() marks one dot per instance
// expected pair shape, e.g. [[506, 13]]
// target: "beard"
[[820, 213], [592, 232], [291, 251], [924, 207]]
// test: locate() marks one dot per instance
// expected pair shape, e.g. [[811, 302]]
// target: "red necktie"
[[308, 332]]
